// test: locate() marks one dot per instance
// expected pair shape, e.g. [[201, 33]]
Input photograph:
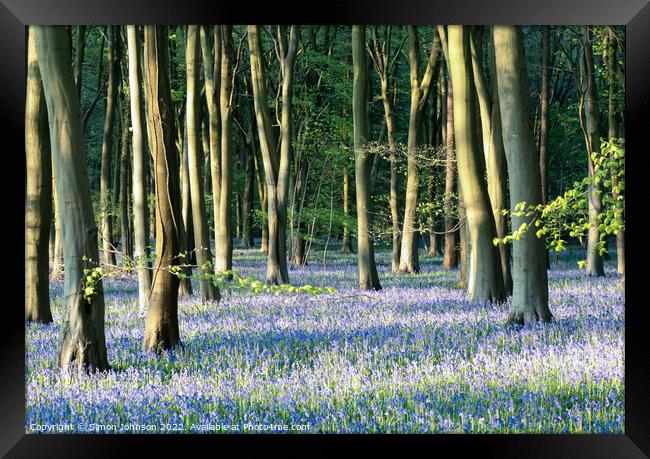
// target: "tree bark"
[[223, 231], [247, 203], [385, 70], [485, 281], [368, 277], [106, 199], [186, 230], [347, 242], [530, 283], [139, 166], [544, 118], [124, 191], [592, 141], [199, 221], [212, 77], [161, 330], [495, 157], [450, 260], [79, 57], [420, 86], [83, 338], [57, 258], [38, 192], [613, 121], [276, 169]]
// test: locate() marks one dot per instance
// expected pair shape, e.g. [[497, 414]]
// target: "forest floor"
[[414, 357]]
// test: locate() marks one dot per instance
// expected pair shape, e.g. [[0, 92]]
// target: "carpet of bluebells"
[[414, 357]]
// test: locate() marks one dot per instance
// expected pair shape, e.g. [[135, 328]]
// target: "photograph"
[[324, 229]]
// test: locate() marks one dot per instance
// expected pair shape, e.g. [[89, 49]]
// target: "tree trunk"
[[420, 85], [261, 191], [161, 330], [124, 191], [276, 169], [106, 199], [368, 277], [347, 242], [223, 231], [394, 177], [592, 140], [247, 203], [544, 118], [186, 229], [212, 78], [199, 222], [485, 281], [83, 338], [300, 189], [530, 283], [79, 57], [139, 176], [450, 260], [57, 258], [38, 192], [613, 121], [495, 158]]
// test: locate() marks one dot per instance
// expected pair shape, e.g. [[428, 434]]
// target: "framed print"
[[373, 223]]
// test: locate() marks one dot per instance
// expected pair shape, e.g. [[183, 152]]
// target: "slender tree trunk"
[[544, 118], [347, 242], [83, 339], [450, 260], [420, 85], [247, 204], [79, 57], [139, 176], [592, 140], [199, 221], [186, 229], [394, 177], [485, 275], [124, 191], [613, 121], [261, 191], [276, 169], [57, 259], [530, 286], [161, 330], [299, 254], [223, 231], [495, 157], [106, 199], [38, 192], [212, 77], [368, 277]]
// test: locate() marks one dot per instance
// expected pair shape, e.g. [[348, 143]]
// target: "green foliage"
[[568, 214], [231, 280]]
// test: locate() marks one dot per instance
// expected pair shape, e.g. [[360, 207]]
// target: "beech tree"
[[530, 284], [485, 278], [495, 158], [139, 164], [384, 63], [276, 164], [420, 87], [161, 330], [200, 226], [83, 339], [591, 130], [107, 144], [368, 277], [38, 192]]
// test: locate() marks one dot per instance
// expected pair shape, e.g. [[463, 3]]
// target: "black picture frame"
[[634, 14]]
